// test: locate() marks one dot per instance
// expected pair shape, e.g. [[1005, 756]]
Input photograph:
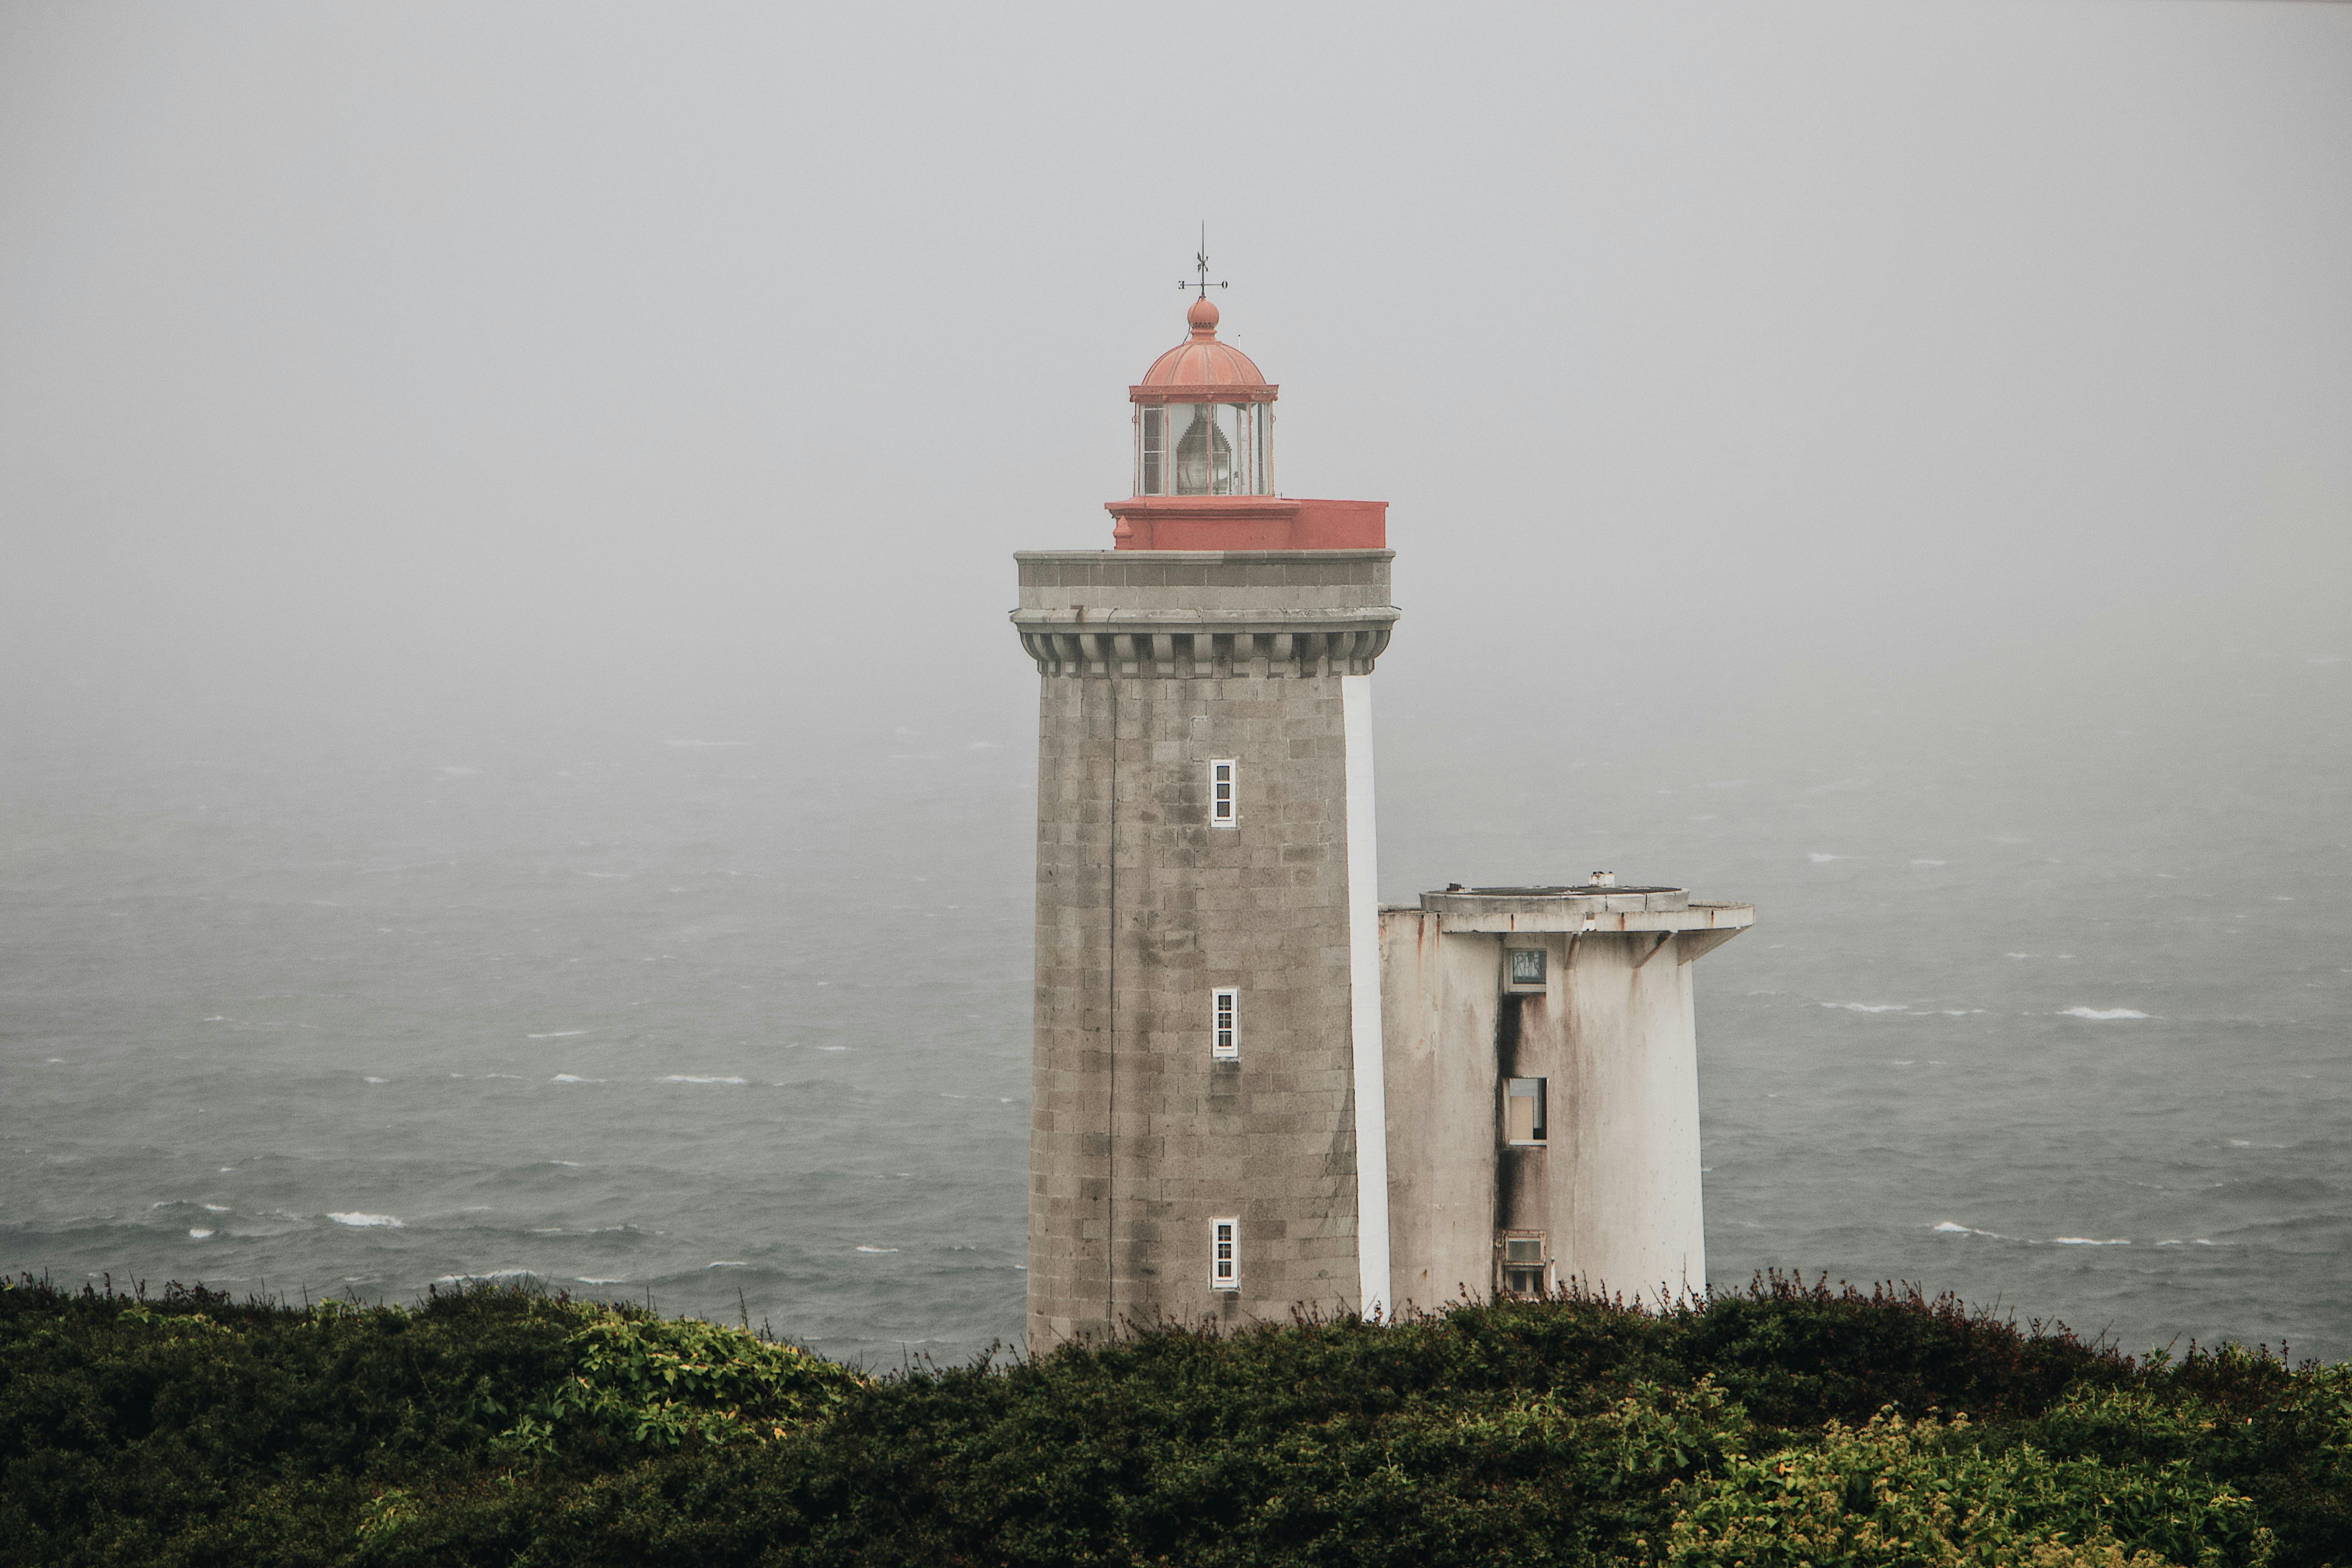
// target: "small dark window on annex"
[[1524, 1265], [1526, 968]]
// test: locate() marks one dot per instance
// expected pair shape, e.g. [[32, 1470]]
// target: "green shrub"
[[1892, 1494], [1786, 1423], [664, 1381]]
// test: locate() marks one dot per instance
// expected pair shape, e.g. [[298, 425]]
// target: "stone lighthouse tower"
[[1214, 1111], [1209, 1132]]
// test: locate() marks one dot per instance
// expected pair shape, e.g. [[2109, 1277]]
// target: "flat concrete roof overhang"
[[1595, 911]]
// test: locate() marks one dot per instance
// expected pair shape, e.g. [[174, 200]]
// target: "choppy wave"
[[368, 1221], [2101, 1014], [1954, 1227], [690, 1078]]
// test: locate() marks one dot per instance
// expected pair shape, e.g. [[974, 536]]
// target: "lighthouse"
[[1255, 1089]]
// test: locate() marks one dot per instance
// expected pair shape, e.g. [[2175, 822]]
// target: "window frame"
[[1227, 812], [1151, 449], [1225, 1269], [1524, 1276], [1540, 1121], [1224, 1024], [1527, 987], [1246, 428]]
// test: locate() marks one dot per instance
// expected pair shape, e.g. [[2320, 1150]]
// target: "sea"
[[2048, 1001]]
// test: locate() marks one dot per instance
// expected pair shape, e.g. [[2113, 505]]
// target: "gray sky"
[[708, 362]]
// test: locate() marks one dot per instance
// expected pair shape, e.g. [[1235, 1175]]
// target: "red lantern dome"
[[1205, 460], [1202, 368]]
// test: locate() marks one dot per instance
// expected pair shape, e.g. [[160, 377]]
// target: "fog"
[[1891, 463], [706, 364]]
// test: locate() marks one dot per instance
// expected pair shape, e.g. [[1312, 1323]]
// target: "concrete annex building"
[[1256, 1087]]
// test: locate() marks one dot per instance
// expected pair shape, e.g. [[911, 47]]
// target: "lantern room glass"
[[1204, 449]]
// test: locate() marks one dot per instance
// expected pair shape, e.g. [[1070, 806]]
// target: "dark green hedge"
[[1785, 1424]]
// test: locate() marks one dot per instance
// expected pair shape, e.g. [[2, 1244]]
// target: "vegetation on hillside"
[[1787, 1424]]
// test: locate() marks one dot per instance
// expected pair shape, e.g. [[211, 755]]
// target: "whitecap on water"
[[1869, 1006], [368, 1221], [1819, 859], [690, 1078], [557, 1034], [198, 1234], [728, 1263], [2101, 1014], [877, 1249], [2089, 1241], [574, 1078], [376, 1080], [1953, 1227]]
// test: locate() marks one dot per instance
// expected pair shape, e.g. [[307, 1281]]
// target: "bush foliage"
[[1785, 1425]]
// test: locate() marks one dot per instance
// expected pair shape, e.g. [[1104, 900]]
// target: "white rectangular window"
[[1524, 968], [1523, 1111], [1225, 1043], [1224, 1250], [1221, 792]]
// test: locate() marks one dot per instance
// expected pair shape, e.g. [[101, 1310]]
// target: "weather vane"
[[1201, 264]]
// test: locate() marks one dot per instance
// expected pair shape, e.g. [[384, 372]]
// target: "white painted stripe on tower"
[[1364, 1000]]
